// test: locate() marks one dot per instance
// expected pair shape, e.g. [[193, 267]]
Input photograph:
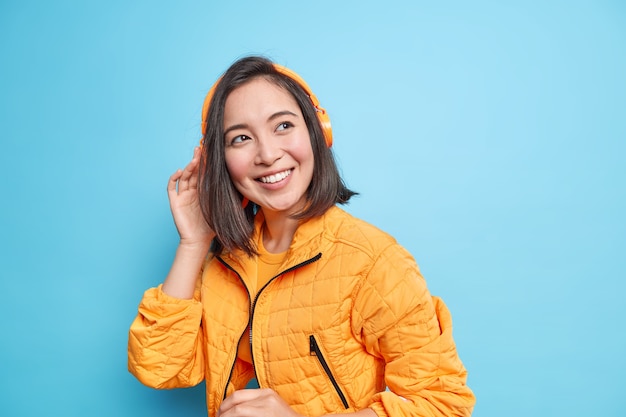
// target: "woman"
[[272, 280]]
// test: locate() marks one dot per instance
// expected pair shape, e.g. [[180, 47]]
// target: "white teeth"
[[271, 179]]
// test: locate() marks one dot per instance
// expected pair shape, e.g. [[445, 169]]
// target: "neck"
[[278, 232]]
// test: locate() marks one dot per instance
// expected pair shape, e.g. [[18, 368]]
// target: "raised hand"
[[195, 234], [182, 190]]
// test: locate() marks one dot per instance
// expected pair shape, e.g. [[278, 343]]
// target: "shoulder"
[[377, 252], [340, 236], [343, 228], [389, 262]]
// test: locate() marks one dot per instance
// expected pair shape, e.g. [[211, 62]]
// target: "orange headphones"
[[322, 115]]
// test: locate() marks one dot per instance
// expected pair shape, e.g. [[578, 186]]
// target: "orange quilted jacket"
[[348, 324]]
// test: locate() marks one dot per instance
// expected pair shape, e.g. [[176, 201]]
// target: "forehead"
[[258, 98]]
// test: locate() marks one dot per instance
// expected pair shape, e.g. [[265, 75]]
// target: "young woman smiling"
[[272, 280]]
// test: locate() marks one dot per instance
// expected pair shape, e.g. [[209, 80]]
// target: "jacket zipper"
[[316, 351], [232, 368], [253, 306]]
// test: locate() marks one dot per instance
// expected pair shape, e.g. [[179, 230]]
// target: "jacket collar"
[[308, 242]]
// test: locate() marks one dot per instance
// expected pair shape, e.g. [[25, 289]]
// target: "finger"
[[172, 183], [253, 403], [190, 173], [195, 161], [193, 181], [240, 397]]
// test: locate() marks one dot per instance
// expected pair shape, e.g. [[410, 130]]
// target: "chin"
[[284, 208]]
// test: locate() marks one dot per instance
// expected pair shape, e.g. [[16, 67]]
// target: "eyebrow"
[[269, 119]]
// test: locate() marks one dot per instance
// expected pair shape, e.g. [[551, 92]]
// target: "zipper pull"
[[312, 346]]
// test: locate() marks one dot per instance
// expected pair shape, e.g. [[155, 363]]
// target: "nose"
[[268, 151]]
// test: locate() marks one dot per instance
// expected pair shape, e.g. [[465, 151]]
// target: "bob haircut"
[[222, 204]]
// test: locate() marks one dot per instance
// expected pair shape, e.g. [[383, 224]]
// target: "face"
[[268, 148]]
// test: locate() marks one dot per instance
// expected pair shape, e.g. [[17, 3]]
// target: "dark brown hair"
[[220, 201]]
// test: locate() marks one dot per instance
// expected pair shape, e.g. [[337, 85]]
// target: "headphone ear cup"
[[322, 115], [205, 106], [326, 127]]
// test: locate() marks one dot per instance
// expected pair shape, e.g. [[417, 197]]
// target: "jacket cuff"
[[156, 305]]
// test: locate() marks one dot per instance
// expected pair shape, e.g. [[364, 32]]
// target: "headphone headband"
[[322, 115]]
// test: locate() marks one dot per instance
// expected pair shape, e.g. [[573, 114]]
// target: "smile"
[[271, 179]]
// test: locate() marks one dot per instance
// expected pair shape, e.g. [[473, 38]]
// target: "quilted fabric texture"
[[350, 324]]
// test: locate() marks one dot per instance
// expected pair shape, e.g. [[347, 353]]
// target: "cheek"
[[304, 153], [236, 168]]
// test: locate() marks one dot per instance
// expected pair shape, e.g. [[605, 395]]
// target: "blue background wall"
[[487, 137]]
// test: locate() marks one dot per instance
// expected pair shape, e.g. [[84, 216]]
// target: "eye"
[[238, 139], [283, 126]]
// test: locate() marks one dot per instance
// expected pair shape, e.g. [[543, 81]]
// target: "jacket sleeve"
[[400, 322], [165, 341]]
